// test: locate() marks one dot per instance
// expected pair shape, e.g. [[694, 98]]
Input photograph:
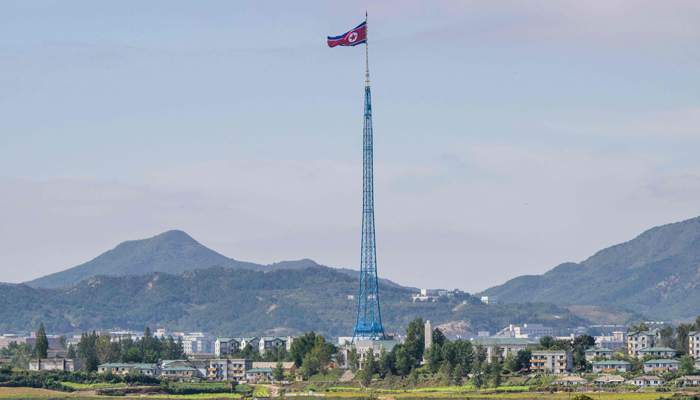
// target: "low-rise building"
[[569, 381], [609, 380], [489, 300], [612, 366], [659, 365], [599, 352], [647, 380], [270, 342], [59, 364], [689, 380], [229, 369], [554, 361], [200, 366], [658, 352], [290, 368], [225, 346], [694, 344], [178, 373], [506, 345], [125, 368], [259, 374], [639, 340], [527, 331]]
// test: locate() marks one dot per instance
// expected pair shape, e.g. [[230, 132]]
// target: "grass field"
[[331, 375]]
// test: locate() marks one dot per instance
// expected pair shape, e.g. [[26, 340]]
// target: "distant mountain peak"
[[173, 252]]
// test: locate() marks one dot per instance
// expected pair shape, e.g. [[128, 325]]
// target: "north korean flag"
[[352, 38]]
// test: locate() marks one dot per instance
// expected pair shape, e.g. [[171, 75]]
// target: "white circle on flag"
[[353, 37]]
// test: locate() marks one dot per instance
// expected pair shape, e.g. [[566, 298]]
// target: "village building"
[[599, 352], [612, 366], [554, 361], [55, 364], [659, 365]]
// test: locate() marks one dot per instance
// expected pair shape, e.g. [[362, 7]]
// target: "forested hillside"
[[173, 252], [242, 302], [657, 274]]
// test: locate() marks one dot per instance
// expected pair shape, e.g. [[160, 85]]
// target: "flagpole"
[[366, 52]]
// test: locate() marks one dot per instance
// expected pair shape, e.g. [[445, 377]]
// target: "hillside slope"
[[656, 274], [244, 302], [173, 252]]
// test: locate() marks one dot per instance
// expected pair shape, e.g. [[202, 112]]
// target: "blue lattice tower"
[[369, 318]]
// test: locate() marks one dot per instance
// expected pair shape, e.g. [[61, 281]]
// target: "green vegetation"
[[304, 299], [95, 349], [640, 274]]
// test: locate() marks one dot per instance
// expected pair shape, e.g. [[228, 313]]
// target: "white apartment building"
[[198, 342], [269, 342], [507, 345], [554, 361], [527, 331], [228, 369], [639, 340], [489, 300], [694, 344]]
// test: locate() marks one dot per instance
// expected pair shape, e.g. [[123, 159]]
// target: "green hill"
[[656, 274], [173, 252], [245, 302]]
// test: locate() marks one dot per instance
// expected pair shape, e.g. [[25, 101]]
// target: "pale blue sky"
[[509, 137]]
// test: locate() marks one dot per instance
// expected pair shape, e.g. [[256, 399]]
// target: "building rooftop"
[[650, 349], [594, 349], [662, 360], [505, 341], [612, 362], [259, 370]]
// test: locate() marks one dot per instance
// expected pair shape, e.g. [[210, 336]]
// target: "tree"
[[71, 352], [415, 339], [390, 379], [682, 331], [639, 327], [385, 364], [87, 350], [106, 350], [63, 342], [340, 357], [496, 365], [524, 356], [546, 342], [22, 354], [133, 355], [448, 373], [309, 366], [580, 345], [413, 376], [42, 343], [302, 346], [511, 362], [278, 371], [368, 368], [687, 365], [433, 357], [439, 337], [449, 352], [460, 373], [464, 353], [353, 359], [668, 339], [403, 361]]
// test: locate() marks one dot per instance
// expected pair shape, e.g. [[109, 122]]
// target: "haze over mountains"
[[170, 281], [657, 274]]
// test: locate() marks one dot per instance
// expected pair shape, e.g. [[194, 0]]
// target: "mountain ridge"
[[244, 302], [172, 251], [656, 273]]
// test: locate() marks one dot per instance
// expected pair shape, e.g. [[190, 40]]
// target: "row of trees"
[[97, 349]]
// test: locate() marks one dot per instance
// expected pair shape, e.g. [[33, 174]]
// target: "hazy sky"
[[509, 136]]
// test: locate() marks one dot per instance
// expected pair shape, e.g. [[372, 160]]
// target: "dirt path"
[[274, 390], [347, 376]]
